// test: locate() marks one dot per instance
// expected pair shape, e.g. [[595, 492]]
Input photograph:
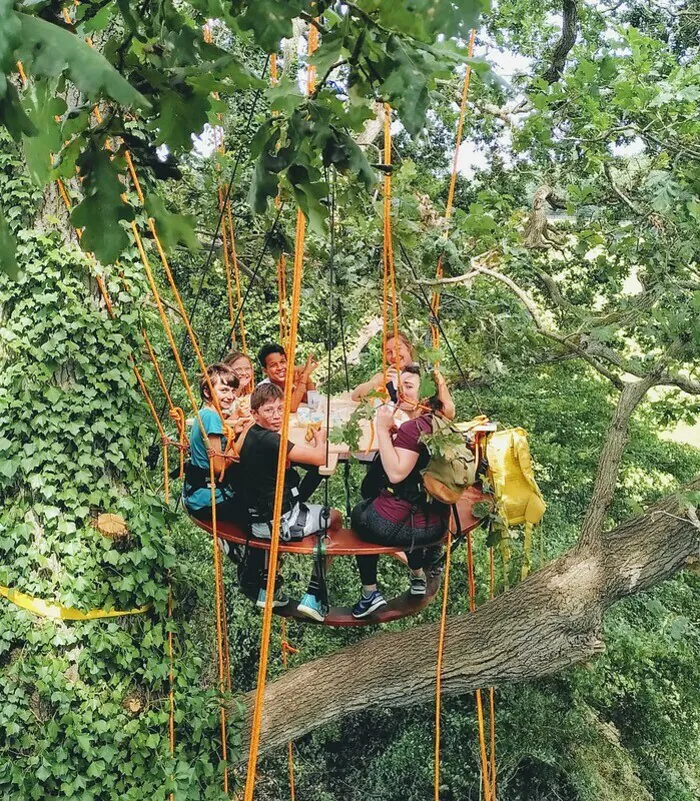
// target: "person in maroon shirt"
[[398, 511]]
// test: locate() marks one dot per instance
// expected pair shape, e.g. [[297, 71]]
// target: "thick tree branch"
[[610, 458], [548, 622], [567, 40], [533, 310]]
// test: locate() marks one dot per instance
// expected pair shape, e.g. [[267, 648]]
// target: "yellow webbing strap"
[[59, 612]]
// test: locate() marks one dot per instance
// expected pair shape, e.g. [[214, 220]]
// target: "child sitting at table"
[[242, 366], [196, 492], [399, 355], [257, 481], [273, 360]]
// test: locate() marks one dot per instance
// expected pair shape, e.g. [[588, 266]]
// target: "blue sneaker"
[[365, 606], [310, 606], [279, 598]]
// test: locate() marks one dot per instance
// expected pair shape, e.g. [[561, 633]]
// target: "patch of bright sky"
[[506, 65]]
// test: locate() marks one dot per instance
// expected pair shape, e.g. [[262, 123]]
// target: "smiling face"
[[224, 391], [269, 414], [276, 368], [410, 391], [243, 368], [398, 351]]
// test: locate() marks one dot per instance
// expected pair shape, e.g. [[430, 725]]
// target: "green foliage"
[[8, 260], [74, 430], [172, 228], [49, 51], [102, 209], [76, 699], [42, 108]]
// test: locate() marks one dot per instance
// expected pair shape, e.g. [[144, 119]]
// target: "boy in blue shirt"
[[196, 493]]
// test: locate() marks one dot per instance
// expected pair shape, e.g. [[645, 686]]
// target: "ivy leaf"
[[172, 228], [10, 37], [8, 245], [101, 211], [51, 51], [180, 115], [42, 107]]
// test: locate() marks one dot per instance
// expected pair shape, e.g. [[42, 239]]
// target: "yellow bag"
[[518, 498]]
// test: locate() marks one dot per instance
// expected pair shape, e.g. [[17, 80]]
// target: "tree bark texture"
[[550, 621], [569, 23], [611, 457]]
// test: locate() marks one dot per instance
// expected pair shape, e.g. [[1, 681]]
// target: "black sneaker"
[[365, 606], [419, 585]]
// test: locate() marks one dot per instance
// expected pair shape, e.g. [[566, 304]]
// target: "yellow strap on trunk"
[[59, 612]]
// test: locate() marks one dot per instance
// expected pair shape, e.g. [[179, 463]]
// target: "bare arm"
[[397, 462], [302, 381], [313, 453], [364, 389], [443, 393], [220, 460]]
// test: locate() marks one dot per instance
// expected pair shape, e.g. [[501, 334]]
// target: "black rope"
[[344, 345], [329, 346], [346, 463], [436, 319], [207, 263]]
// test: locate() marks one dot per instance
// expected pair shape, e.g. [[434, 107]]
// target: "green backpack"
[[452, 466]]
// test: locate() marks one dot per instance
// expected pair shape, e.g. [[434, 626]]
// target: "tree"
[[611, 284]]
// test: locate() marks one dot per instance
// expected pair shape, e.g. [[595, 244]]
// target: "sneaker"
[[419, 585], [311, 607], [365, 606], [279, 598]]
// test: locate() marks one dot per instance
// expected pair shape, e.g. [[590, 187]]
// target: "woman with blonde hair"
[[399, 355]]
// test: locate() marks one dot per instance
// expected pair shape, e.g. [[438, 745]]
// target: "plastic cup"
[[313, 398]]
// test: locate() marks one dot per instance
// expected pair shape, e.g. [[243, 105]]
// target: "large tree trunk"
[[550, 621]]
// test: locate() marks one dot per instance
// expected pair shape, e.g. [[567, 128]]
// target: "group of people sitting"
[[394, 510]]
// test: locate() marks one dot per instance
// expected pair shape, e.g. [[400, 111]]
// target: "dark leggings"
[[420, 543]]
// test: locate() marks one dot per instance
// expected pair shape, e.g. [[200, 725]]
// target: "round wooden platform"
[[345, 542], [403, 605]]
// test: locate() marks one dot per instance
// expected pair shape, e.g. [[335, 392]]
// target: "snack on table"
[[310, 428]]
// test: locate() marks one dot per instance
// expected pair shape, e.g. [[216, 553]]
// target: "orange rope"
[[479, 706], [281, 260], [438, 674], [227, 230], [279, 485], [492, 692], [288, 649], [277, 513], [435, 301], [227, 269], [389, 294], [219, 601], [180, 305]]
